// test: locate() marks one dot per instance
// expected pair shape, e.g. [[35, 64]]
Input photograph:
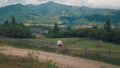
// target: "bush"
[[50, 64], [15, 30]]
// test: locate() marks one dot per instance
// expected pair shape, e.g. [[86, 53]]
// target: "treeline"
[[100, 34], [105, 33], [14, 29]]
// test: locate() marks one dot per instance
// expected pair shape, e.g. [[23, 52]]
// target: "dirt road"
[[62, 61]]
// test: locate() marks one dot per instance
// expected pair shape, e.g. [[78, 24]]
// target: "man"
[[60, 44]]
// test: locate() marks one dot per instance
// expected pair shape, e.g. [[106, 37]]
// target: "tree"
[[107, 25], [18, 31], [55, 33], [13, 20], [68, 27], [5, 23], [95, 27], [14, 29], [56, 28]]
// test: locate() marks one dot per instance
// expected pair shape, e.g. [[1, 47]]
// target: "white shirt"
[[58, 42]]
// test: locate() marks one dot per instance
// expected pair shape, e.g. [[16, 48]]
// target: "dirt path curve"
[[63, 61]]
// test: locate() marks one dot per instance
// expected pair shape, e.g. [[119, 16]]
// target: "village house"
[[38, 32]]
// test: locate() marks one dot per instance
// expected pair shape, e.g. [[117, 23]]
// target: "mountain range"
[[52, 12]]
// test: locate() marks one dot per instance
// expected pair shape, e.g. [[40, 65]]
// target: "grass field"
[[76, 47], [54, 40], [69, 42], [81, 43]]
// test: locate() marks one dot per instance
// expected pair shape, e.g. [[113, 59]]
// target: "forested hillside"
[[53, 13]]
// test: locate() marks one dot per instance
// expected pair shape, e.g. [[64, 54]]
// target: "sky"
[[111, 4]]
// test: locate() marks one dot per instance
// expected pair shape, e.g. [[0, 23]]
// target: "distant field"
[[81, 43], [69, 42], [56, 39]]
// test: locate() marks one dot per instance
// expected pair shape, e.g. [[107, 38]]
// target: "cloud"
[[103, 3], [90, 3], [8, 2]]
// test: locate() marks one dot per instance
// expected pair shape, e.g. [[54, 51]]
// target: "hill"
[[21, 13], [52, 12]]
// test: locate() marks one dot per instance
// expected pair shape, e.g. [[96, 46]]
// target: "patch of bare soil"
[[63, 61]]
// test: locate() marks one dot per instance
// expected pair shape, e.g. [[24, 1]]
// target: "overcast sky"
[[114, 4]]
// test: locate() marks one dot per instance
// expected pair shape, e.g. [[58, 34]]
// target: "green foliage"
[[111, 36], [13, 21], [73, 46], [32, 55], [47, 48], [97, 56], [68, 27], [56, 28], [107, 25], [53, 12], [55, 33], [5, 23], [7, 61], [96, 17], [15, 30], [50, 64], [107, 33]]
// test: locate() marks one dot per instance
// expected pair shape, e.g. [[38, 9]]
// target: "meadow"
[[79, 47], [80, 43]]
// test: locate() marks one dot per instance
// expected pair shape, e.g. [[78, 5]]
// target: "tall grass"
[[8, 61]]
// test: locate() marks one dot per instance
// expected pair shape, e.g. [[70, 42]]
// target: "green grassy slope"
[[81, 43]]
